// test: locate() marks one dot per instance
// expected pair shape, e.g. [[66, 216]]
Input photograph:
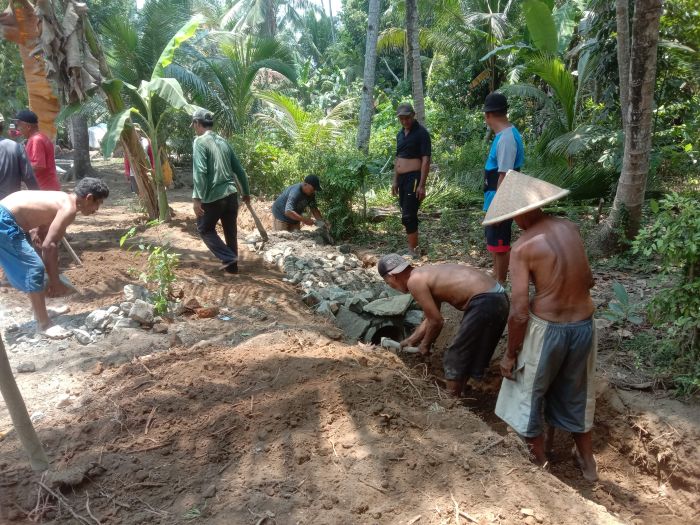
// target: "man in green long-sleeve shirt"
[[215, 169]]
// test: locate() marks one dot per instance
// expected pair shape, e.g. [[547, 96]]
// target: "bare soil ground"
[[269, 418]]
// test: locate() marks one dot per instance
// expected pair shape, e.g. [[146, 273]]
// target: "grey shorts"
[[554, 375]]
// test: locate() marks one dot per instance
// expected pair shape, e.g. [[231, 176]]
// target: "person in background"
[[217, 174], [14, 166], [411, 167], [292, 202], [506, 153], [40, 151], [129, 172]]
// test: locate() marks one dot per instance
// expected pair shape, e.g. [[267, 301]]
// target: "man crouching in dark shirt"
[[413, 151], [288, 207]]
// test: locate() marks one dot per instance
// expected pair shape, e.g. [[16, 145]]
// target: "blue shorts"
[[22, 265]]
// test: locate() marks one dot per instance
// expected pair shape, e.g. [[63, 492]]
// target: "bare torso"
[[407, 165], [37, 209], [558, 266], [450, 283]]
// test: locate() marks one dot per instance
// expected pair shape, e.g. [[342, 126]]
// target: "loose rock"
[[132, 292], [83, 337], [142, 312], [26, 368]]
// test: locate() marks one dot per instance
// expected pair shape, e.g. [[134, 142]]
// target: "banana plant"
[[144, 98]]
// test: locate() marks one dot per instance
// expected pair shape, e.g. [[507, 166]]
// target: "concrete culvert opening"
[[390, 331]]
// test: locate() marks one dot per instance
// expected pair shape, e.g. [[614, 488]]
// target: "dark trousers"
[[483, 323], [226, 211], [408, 200]]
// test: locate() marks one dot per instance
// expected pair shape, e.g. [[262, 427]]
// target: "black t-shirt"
[[414, 145]]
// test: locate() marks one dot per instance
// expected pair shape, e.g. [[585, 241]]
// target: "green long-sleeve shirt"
[[213, 167]]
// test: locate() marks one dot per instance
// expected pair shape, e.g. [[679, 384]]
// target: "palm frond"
[[391, 38], [578, 141], [560, 80]]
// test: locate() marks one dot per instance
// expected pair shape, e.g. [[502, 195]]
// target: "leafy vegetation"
[[161, 264]]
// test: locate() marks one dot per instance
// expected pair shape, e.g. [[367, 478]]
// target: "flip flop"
[[55, 332]]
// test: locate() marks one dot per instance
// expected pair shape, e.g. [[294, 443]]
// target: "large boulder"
[[389, 306], [353, 325]]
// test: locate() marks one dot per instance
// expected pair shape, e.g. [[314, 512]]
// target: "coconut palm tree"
[[226, 72], [266, 17]]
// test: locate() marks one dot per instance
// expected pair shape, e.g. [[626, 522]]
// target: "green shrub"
[[160, 266], [674, 237]]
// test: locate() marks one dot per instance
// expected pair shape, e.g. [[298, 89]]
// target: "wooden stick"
[[490, 445], [258, 222], [18, 413], [70, 250], [371, 486]]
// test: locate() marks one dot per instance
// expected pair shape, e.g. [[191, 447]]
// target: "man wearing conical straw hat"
[[549, 364]]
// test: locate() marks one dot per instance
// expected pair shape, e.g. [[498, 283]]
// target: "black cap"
[[404, 110], [495, 102], [28, 116], [314, 181], [392, 264]]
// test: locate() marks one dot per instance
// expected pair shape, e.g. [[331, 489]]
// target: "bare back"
[[552, 253], [38, 209], [451, 283]]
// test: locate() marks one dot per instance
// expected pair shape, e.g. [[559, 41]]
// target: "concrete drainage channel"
[[338, 286]]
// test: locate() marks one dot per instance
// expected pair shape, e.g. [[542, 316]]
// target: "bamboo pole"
[[20, 418]]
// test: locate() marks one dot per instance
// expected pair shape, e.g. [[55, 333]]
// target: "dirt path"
[[267, 414]]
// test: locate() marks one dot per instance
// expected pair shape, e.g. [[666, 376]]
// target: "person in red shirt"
[[40, 151]]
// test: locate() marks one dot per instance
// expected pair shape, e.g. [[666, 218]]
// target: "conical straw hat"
[[518, 194]]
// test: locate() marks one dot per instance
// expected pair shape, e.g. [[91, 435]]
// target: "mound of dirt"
[[290, 425]]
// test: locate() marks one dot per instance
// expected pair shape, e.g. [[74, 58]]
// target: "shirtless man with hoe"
[[479, 296], [50, 213], [549, 365]]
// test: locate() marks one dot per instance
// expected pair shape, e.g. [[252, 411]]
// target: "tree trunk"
[[414, 51], [270, 18], [330, 15], [626, 211], [18, 413], [81, 147], [623, 58], [129, 138], [20, 25], [366, 104]]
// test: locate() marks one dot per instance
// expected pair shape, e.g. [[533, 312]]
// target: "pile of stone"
[[134, 312], [339, 286]]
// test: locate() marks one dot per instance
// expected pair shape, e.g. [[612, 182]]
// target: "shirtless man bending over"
[[550, 361], [49, 213], [479, 296]]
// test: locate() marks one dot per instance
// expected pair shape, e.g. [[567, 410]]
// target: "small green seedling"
[[620, 310]]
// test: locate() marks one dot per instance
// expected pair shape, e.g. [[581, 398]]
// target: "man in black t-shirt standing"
[[411, 167]]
